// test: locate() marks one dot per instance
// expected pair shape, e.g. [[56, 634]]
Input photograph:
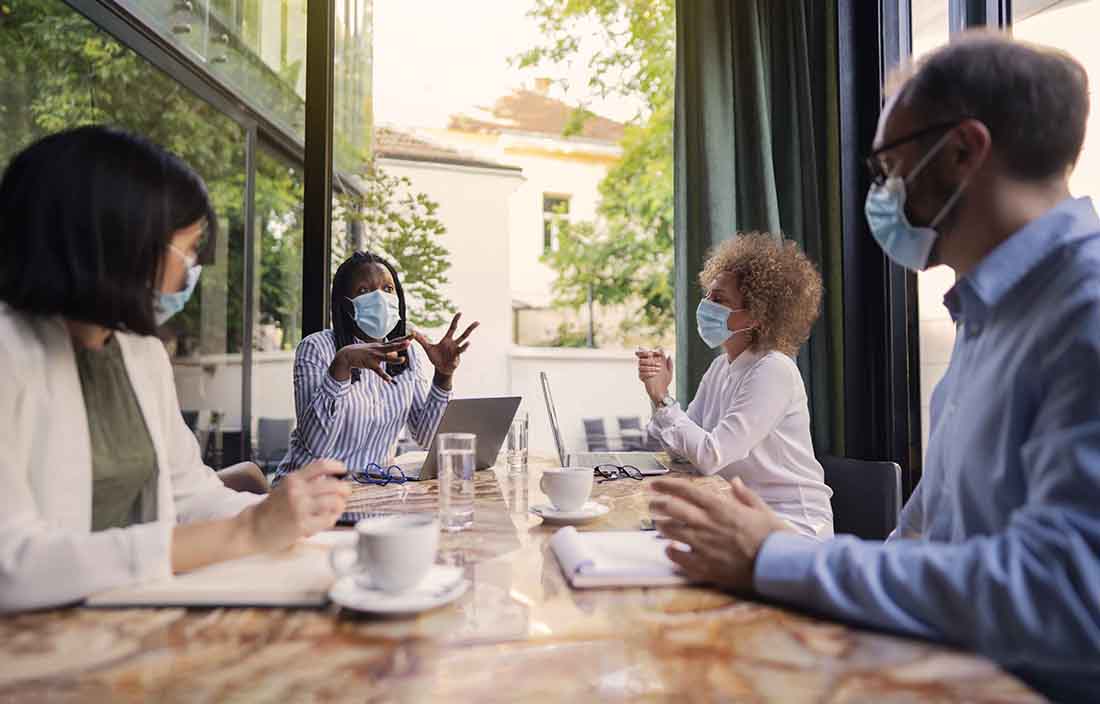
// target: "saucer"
[[442, 585], [589, 512]]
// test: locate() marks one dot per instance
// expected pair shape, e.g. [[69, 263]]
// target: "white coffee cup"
[[392, 553], [567, 487]]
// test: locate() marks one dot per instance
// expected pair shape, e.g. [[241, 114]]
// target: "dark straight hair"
[[343, 311], [86, 216]]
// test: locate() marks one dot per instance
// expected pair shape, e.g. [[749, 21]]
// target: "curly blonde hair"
[[781, 287]]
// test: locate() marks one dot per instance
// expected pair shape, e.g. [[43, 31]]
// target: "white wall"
[[473, 205], [585, 384], [560, 166], [213, 383], [531, 279]]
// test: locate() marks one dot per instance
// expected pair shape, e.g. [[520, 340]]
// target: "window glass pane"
[[937, 332], [481, 139], [61, 71], [1059, 24], [353, 110], [278, 296], [930, 25], [258, 47]]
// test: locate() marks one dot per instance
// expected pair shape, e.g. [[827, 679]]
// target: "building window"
[[555, 208]]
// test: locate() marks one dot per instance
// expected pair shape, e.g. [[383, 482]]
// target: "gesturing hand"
[[367, 355], [655, 372], [305, 502], [725, 533], [445, 354]]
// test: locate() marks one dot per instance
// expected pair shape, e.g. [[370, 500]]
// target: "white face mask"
[[904, 243], [377, 313], [712, 321]]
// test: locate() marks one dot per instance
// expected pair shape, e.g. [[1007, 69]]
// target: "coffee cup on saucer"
[[567, 487], [392, 553]]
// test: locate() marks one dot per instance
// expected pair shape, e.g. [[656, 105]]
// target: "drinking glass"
[[517, 445], [456, 459]]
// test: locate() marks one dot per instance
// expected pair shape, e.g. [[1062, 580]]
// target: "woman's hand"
[[446, 354], [367, 355], [655, 372], [304, 502]]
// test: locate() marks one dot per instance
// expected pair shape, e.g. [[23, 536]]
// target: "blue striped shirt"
[[357, 422]]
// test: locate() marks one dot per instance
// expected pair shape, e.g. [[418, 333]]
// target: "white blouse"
[[750, 419]]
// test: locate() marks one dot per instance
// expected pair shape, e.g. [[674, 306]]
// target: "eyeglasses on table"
[[377, 474], [611, 472]]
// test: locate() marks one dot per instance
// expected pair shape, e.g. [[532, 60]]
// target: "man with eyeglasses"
[[998, 549]]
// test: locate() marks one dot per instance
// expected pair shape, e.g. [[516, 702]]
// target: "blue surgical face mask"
[[168, 304], [906, 244], [712, 320], [377, 313]]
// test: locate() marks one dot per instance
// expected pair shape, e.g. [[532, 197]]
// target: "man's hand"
[[724, 533]]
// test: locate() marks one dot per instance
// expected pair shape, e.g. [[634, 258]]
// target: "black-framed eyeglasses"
[[878, 172], [377, 474], [611, 472]]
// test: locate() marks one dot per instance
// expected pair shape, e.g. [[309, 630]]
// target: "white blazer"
[[48, 553]]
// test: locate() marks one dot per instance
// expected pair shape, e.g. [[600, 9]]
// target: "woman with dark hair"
[[355, 417], [102, 482]]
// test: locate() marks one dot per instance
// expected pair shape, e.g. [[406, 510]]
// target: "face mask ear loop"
[[927, 158], [950, 202]]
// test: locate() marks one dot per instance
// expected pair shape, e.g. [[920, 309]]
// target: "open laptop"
[[647, 462], [487, 418]]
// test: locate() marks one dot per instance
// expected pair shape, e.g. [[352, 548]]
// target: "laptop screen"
[[552, 412]]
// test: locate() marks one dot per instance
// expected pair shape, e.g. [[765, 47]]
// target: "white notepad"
[[299, 576], [614, 559]]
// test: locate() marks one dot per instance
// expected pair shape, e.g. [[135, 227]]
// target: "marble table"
[[519, 634]]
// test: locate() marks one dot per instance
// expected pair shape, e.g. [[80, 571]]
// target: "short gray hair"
[[1033, 99]]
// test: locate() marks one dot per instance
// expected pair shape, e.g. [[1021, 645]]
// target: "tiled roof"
[[390, 143], [534, 112]]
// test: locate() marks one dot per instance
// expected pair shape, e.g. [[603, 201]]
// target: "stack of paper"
[[297, 576], [614, 559]]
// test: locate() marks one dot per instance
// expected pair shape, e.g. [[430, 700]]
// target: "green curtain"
[[756, 148]]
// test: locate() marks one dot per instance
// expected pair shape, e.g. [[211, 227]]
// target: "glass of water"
[[517, 445], [457, 453]]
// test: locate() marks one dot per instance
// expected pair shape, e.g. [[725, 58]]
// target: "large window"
[[484, 142], [1070, 26], [937, 332], [61, 71]]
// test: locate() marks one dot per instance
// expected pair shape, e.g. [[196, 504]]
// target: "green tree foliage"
[[627, 255], [60, 71], [402, 225]]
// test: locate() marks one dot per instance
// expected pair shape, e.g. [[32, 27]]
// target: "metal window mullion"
[[317, 206], [250, 257]]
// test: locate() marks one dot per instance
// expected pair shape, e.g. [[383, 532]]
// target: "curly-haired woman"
[[750, 418]]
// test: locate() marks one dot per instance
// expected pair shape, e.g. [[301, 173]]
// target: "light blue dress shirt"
[[357, 421], [998, 549]]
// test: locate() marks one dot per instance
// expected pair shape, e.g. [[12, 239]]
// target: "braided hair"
[[343, 311]]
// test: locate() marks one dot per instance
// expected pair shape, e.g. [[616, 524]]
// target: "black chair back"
[[595, 435], [629, 423], [866, 496]]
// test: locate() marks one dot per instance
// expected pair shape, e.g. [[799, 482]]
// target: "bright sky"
[[433, 58]]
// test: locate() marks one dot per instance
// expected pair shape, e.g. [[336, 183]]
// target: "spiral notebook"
[[614, 559]]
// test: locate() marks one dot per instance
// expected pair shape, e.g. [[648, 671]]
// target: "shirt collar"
[[744, 360], [1010, 261]]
